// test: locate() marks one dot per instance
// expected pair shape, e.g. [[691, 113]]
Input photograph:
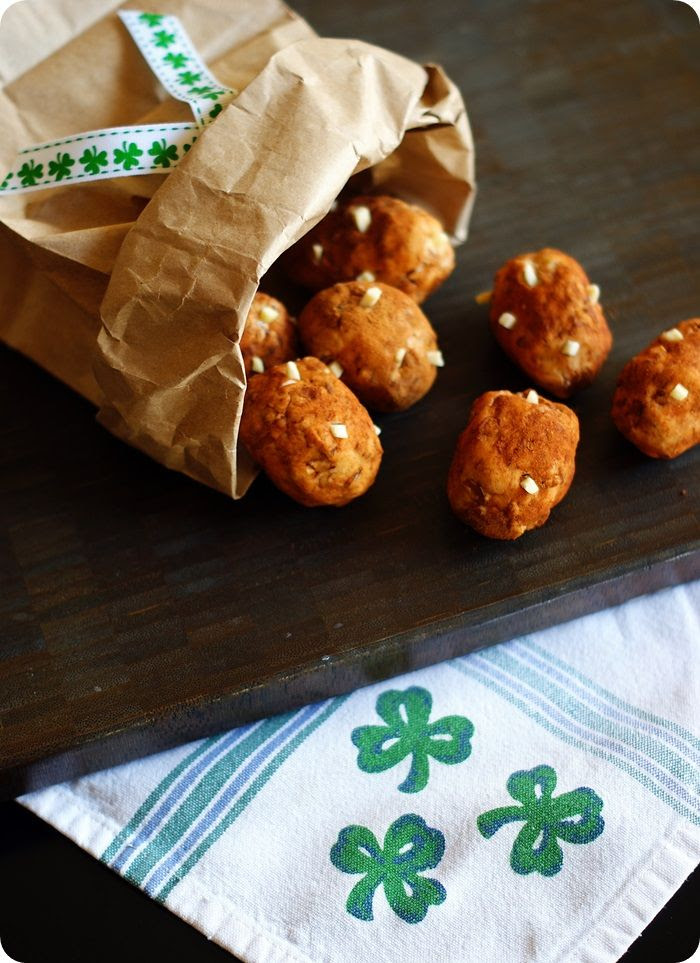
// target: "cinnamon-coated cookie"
[[657, 400], [513, 463], [376, 338], [546, 316], [269, 336], [374, 238], [310, 434]]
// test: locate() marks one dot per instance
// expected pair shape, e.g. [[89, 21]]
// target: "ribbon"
[[123, 151]]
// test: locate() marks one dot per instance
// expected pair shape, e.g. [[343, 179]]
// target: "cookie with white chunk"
[[546, 316], [376, 339], [513, 463], [269, 336], [376, 238], [657, 400], [310, 434]]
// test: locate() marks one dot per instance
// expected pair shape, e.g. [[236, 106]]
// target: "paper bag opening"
[[168, 361]]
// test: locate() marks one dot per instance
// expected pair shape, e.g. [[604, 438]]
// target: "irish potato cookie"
[[376, 338], [269, 336], [374, 239], [657, 400], [310, 434], [546, 316], [513, 463]]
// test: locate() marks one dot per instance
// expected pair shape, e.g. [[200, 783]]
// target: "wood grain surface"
[[139, 609]]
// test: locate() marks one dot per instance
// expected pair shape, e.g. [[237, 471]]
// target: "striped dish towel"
[[537, 801]]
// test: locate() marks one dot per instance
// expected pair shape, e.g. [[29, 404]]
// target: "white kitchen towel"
[[537, 801]]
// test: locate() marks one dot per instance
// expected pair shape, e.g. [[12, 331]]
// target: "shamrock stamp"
[[93, 160], [175, 60], [127, 156], [189, 78], [210, 93], [410, 847], [408, 732], [151, 19], [163, 153], [60, 167], [573, 817], [163, 39], [30, 173]]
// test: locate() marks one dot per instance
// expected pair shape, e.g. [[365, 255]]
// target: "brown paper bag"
[[178, 258]]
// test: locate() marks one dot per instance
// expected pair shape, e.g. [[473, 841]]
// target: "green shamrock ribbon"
[[410, 848], [573, 817], [408, 732], [117, 152]]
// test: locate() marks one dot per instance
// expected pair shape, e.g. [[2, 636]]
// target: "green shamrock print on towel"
[[410, 848], [573, 817], [408, 732]]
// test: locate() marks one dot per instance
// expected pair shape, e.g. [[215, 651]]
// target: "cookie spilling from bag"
[[368, 343], [374, 238], [376, 339], [310, 434], [269, 336]]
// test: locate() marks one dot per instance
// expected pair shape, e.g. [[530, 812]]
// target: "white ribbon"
[[124, 151]]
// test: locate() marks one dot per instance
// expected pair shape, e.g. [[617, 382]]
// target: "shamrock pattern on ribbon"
[[93, 161], [176, 60], [163, 153], [151, 19], [115, 152], [163, 39], [573, 817], [194, 85], [60, 167], [210, 93], [410, 848], [30, 173], [127, 156], [408, 732]]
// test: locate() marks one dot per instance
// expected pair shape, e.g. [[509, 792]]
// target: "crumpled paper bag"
[[171, 263]]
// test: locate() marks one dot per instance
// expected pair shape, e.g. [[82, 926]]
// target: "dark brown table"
[[549, 84], [140, 610]]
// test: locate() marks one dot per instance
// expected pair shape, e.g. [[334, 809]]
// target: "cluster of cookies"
[[372, 260], [516, 458]]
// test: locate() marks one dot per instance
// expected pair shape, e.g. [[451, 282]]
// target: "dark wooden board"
[[139, 610]]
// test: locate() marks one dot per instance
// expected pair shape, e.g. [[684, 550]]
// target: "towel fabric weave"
[[535, 801]]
